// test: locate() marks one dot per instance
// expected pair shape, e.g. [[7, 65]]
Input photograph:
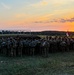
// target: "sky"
[[37, 15]]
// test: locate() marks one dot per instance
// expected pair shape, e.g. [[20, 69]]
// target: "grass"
[[12, 34], [54, 64]]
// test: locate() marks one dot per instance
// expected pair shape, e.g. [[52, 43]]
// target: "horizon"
[[36, 31], [37, 15]]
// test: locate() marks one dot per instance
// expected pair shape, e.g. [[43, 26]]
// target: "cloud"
[[67, 20], [5, 6], [57, 20], [40, 4], [70, 20]]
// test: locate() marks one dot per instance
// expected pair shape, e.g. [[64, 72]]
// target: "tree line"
[[51, 33]]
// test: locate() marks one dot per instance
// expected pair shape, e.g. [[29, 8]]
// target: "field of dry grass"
[[54, 64]]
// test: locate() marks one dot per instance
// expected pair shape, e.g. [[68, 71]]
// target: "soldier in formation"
[[19, 46]]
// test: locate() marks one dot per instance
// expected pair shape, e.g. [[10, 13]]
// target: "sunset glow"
[[37, 15]]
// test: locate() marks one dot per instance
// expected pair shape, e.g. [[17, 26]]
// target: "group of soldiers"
[[12, 46]]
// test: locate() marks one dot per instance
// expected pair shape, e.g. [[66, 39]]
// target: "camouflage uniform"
[[4, 47], [45, 48], [20, 48], [32, 45]]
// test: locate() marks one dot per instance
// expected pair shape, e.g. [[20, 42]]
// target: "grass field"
[[12, 34], [54, 64]]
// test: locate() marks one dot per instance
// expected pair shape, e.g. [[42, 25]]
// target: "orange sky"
[[37, 15]]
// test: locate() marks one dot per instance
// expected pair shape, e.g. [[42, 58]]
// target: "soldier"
[[50, 42], [58, 44], [11, 51], [71, 47], [0, 45], [20, 47], [45, 47], [14, 47], [32, 45], [8, 47], [26, 46], [73, 43], [17, 48], [37, 47], [67, 44], [4, 46], [63, 45], [53, 45]]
